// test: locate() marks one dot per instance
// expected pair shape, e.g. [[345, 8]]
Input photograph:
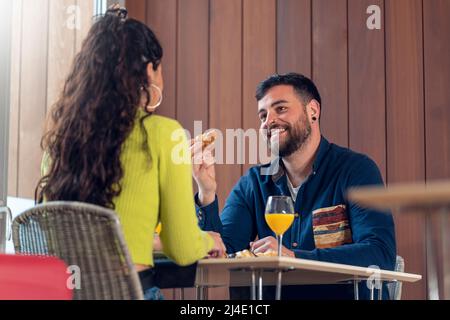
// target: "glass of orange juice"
[[279, 216]]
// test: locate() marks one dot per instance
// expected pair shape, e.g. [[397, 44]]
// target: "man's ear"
[[313, 109]]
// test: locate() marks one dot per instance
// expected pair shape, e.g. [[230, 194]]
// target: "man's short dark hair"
[[303, 86]]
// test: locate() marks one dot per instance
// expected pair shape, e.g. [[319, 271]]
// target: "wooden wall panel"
[[193, 77], [225, 87], [405, 125], [372, 81], [137, 9], [16, 46], [86, 21], [367, 107], [193, 63], [162, 18], [234, 45], [294, 36], [45, 37], [61, 47], [329, 68], [437, 84], [437, 117], [404, 67], [33, 93], [259, 61]]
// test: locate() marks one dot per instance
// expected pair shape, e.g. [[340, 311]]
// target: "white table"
[[430, 198], [259, 271]]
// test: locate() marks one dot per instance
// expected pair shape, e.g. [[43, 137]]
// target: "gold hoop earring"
[[153, 108]]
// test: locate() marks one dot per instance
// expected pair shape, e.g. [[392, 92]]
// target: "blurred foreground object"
[[33, 278]]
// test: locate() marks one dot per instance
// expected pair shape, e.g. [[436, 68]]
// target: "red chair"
[[33, 278]]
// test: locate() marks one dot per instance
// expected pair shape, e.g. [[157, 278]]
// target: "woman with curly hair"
[[105, 146]]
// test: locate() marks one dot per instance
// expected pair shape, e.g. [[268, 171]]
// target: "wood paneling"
[[86, 20], [371, 82], [385, 92], [225, 87], [137, 9], [13, 153], [405, 125], [33, 93], [437, 84], [193, 63], [162, 18], [259, 61], [367, 107], [404, 69], [437, 116], [294, 36], [330, 66], [192, 77], [45, 38], [61, 46]]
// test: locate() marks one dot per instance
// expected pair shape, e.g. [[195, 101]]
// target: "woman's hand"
[[157, 245], [203, 171], [219, 250]]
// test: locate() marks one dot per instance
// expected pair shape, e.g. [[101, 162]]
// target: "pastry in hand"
[[207, 138]]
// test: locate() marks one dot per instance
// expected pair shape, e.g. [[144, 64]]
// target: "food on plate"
[[268, 253], [249, 254], [244, 254]]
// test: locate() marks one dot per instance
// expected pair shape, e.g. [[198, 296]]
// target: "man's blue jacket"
[[327, 227]]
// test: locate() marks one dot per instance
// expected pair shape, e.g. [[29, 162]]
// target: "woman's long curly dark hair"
[[96, 111]]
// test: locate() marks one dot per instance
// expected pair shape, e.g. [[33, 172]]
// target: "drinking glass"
[[279, 216]]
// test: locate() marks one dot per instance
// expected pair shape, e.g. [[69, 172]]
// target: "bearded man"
[[316, 174]]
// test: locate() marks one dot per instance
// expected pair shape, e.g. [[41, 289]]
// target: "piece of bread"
[[244, 254], [247, 254], [207, 138], [268, 253]]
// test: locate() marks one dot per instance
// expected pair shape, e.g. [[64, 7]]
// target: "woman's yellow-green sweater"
[[160, 190]]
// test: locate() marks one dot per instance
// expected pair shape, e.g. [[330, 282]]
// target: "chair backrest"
[[89, 240], [33, 278], [5, 230], [395, 288]]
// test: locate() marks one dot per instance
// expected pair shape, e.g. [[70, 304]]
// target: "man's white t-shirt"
[[294, 191]]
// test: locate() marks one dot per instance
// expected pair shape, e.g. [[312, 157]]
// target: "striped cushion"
[[331, 227]]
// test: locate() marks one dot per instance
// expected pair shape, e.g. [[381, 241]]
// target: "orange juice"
[[158, 228], [279, 222]]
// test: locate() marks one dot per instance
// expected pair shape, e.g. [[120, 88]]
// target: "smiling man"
[[317, 175]]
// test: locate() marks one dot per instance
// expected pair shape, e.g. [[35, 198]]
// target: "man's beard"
[[296, 137]]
